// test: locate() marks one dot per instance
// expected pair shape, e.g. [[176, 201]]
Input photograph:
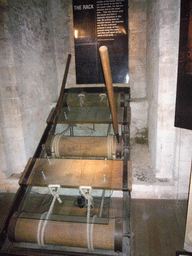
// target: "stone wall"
[[152, 74], [29, 77], [13, 156], [62, 23]]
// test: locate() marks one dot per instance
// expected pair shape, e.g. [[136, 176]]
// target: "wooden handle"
[[108, 80]]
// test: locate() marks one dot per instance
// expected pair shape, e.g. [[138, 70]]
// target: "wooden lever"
[[108, 80]]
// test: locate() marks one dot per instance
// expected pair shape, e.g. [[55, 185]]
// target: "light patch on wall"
[[76, 33]]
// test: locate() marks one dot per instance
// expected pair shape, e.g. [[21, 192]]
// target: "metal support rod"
[[108, 80], [60, 100], [102, 202]]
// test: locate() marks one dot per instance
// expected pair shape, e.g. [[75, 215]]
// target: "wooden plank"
[[183, 207], [85, 115], [158, 245], [140, 243], [152, 228], [188, 231], [72, 173], [158, 227], [95, 115], [180, 208], [165, 236], [177, 235]]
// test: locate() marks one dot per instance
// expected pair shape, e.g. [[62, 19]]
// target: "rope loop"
[[54, 189], [89, 199]]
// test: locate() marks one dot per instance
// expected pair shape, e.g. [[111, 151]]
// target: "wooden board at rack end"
[[72, 173]]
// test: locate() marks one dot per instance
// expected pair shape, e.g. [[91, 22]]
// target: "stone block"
[[139, 112], [138, 85]]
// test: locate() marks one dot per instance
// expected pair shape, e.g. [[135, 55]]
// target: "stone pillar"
[[12, 157], [163, 42], [29, 82], [137, 66], [31, 32], [63, 39]]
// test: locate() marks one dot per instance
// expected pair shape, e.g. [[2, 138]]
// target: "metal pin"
[[106, 161], [44, 177], [48, 160], [104, 178], [65, 114]]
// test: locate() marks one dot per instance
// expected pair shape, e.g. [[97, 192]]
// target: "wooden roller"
[[84, 146], [108, 80], [63, 233]]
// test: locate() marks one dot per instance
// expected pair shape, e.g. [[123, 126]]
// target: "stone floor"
[[142, 170]]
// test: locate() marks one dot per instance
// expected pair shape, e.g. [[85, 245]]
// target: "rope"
[[89, 200], [91, 233], [39, 233], [45, 216], [89, 225], [88, 222]]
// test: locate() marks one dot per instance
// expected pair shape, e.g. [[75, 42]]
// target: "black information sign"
[[97, 23], [183, 111]]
